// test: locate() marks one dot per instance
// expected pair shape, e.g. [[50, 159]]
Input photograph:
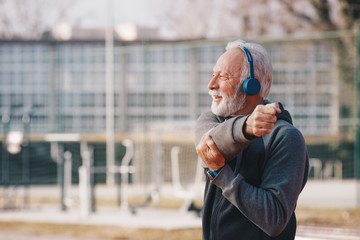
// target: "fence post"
[[109, 93], [67, 178], [357, 114], [194, 83]]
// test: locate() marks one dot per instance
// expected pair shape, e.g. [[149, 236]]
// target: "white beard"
[[228, 105]]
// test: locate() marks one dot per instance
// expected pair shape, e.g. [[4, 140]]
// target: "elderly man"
[[256, 160]]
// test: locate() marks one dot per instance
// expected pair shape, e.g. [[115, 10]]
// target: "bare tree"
[[347, 12], [188, 19], [29, 19], [254, 18], [250, 18]]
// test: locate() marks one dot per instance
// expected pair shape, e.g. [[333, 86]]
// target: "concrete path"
[[326, 233], [322, 194], [144, 218]]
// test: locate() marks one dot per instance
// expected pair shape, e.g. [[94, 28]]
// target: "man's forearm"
[[228, 135]]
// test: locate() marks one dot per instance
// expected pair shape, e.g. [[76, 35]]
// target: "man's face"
[[225, 87]]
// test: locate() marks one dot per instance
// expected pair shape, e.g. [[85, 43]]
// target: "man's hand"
[[261, 120], [209, 153]]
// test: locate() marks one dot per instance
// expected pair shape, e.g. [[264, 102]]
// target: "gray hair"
[[261, 62]]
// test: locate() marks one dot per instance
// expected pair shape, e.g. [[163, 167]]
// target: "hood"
[[284, 115]]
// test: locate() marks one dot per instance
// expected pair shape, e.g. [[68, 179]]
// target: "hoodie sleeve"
[[227, 135]]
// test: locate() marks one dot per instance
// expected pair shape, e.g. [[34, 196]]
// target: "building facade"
[[61, 85]]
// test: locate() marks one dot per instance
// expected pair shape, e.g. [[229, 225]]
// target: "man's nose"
[[213, 84]]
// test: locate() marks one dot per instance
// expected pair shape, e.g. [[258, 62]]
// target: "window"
[[181, 99], [158, 100]]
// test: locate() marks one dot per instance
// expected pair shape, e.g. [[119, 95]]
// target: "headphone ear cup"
[[251, 86]]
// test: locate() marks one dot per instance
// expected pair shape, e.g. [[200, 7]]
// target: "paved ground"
[[330, 194], [325, 233], [145, 218], [316, 194]]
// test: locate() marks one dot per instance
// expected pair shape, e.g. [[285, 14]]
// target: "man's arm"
[[210, 130], [234, 135]]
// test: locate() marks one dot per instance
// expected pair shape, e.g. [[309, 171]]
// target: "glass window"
[[205, 100], [181, 99], [280, 77], [158, 100]]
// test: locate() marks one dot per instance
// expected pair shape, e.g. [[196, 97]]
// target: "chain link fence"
[[160, 89]]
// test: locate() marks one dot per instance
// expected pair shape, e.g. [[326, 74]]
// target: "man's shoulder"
[[209, 116], [285, 130], [208, 113]]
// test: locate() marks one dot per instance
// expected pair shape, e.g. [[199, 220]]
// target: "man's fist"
[[262, 120], [209, 153]]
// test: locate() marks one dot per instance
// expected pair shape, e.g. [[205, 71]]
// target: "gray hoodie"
[[254, 196]]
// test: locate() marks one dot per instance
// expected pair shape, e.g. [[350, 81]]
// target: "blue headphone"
[[251, 85]]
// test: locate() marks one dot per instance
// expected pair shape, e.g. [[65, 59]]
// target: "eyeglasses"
[[223, 76]]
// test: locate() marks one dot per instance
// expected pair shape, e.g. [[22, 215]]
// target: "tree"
[[187, 19], [347, 11], [252, 18], [30, 19]]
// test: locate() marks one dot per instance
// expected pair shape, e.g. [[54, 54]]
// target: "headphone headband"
[[251, 86], [250, 60]]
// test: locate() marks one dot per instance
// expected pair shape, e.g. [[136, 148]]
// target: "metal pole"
[[92, 179], [147, 113], [157, 170], [52, 89], [67, 178], [110, 134], [357, 114], [86, 183], [61, 164], [26, 159], [124, 171], [5, 154], [123, 121], [194, 92]]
